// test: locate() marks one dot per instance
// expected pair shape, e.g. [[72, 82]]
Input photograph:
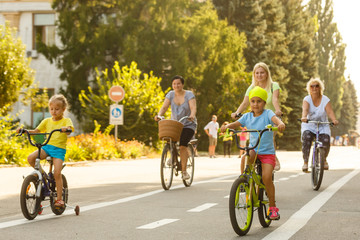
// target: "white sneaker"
[[185, 176], [305, 167]]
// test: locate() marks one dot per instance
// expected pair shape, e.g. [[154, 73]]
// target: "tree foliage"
[[143, 97], [15, 72], [331, 52], [349, 110], [300, 32]]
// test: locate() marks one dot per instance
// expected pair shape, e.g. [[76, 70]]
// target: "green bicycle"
[[248, 193]]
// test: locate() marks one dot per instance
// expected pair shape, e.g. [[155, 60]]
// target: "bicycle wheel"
[[30, 204], [190, 166], [58, 210], [263, 208], [317, 168], [240, 206], [167, 168]]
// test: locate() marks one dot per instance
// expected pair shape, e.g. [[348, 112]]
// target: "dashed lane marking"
[[158, 223], [202, 207]]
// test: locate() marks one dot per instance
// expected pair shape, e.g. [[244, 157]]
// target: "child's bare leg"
[[267, 170], [32, 157], [251, 160], [58, 178]]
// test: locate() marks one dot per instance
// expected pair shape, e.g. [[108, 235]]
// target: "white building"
[[31, 18]]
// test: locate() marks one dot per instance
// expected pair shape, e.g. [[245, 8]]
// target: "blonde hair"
[[315, 80], [268, 80], [60, 98]]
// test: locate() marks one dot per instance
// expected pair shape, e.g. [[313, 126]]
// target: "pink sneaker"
[[273, 213]]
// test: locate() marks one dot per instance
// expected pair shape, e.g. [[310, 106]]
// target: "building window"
[[40, 105], [44, 28]]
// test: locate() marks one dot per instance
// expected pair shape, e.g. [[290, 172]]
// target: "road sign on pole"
[[116, 93], [117, 114]]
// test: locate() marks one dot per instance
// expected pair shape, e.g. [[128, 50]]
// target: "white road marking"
[[283, 179], [158, 223], [103, 204], [202, 207], [301, 217], [228, 196]]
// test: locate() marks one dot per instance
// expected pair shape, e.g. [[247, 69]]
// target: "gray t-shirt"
[[179, 111]]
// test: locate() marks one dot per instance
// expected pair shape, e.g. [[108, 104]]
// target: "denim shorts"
[[55, 152]]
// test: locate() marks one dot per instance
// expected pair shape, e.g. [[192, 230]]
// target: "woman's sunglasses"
[[315, 86]]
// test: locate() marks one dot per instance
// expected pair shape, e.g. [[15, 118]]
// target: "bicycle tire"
[[30, 204], [263, 208], [241, 207], [166, 169], [317, 168], [60, 210], [190, 166]]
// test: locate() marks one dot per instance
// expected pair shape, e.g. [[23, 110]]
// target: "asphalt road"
[[125, 200]]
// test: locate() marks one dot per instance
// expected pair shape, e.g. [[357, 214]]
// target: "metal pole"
[[116, 133]]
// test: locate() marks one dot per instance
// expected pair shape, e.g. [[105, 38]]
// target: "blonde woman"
[[261, 77], [317, 107]]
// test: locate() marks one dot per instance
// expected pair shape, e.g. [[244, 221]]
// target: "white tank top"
[[317, 114]]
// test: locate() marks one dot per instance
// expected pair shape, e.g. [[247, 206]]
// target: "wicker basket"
[[170, 129]]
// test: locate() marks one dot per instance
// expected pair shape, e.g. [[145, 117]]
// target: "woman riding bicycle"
[[261, 77], [183, 103], [257, 119], [316, 107]]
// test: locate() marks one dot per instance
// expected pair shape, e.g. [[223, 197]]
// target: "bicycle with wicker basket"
[[170, 132]]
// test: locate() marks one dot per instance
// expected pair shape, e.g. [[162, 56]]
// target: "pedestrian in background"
[[211, 130], [227, 140]]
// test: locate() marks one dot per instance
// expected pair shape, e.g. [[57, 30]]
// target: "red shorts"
[[267, 158]]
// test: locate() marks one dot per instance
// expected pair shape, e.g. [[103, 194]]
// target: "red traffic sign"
[[116, 93]]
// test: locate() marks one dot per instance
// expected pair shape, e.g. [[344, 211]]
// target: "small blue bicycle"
[[318, 157], [39, 186]]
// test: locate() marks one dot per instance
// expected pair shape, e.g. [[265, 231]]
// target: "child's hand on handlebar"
[[281, 127], [66, 130], [223, 128]]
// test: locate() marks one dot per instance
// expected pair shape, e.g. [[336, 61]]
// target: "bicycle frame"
[[253, 178]]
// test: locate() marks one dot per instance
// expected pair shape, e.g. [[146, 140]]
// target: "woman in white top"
[[316, 107]]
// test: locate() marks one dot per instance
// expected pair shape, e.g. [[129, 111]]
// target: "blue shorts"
[[55, 152]]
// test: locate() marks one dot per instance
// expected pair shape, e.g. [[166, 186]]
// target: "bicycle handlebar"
[[316, 122], [268, 128], [181, 119], [22, 130]]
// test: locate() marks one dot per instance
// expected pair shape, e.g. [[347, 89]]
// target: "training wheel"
[[77, 210]]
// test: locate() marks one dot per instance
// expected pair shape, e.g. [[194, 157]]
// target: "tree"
[[143, 98], [95, 34], [331, 52], [15, 72], [248, 17], [349, 110], [300, 31], [210, 54]]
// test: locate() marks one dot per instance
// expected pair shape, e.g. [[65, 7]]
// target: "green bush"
[[13, 150]]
